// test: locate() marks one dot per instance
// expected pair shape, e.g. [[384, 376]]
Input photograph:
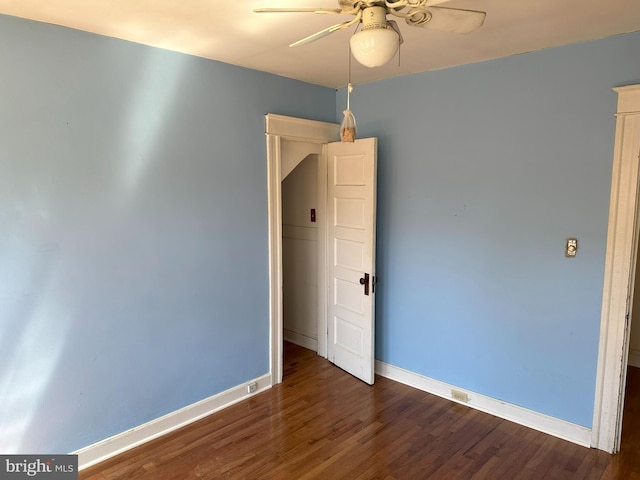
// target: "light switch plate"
[[571, 247]]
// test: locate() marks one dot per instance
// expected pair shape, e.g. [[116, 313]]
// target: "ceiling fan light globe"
[[375, 46]]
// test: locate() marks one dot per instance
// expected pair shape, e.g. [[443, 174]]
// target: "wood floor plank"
[[323, 423]]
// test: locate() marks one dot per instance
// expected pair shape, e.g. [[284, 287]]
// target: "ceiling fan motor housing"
[[374, 17]]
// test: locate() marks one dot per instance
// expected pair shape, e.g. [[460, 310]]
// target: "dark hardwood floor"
[[321, 423]]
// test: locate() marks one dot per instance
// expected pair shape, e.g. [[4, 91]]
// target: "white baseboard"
[[538, 421], [302, 340], [634, 358], [124, 441]]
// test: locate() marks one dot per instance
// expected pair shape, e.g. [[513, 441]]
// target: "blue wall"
[[133, 231], [484, 171]]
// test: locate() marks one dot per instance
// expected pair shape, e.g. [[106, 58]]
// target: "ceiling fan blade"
[[297, 10], [327, 31], [400, 4], [320, 34], [453, 20]]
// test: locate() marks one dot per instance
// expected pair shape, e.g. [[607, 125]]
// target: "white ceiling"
[[230, 32]]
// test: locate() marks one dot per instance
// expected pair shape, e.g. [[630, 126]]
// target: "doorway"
[[300, 246], [348, 172], [620, 262], [630, 396], [289, 141]]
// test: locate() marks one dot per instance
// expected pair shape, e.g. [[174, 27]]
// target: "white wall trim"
[[618, 274], [299, 232], [301, 129], [634, 358], [136, 436], [274, 200], [300, 339], [529, 418]]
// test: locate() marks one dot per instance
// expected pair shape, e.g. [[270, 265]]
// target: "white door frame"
[[618, 276], [278, 128]]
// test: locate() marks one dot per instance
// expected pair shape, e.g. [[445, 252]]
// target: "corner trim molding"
[[508, 411], [121, 442]]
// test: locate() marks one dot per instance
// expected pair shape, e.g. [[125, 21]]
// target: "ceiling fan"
[[378, 38]]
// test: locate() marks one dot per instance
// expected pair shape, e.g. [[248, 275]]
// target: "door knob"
[[365, 281]]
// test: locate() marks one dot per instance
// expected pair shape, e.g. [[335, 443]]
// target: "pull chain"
[[348, 126], [349, 86]]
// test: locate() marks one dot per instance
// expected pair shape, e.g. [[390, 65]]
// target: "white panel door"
[[351, 214]]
